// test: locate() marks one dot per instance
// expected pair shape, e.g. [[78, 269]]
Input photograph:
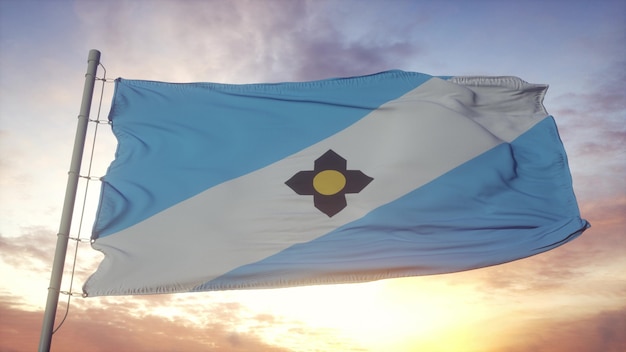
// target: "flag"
[[219, 186]]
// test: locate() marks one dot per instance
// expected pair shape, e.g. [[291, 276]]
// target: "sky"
[[570, 298]]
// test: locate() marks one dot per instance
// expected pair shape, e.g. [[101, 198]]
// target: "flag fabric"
[[219, 186]]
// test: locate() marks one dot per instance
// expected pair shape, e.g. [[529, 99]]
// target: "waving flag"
[[218, 186]]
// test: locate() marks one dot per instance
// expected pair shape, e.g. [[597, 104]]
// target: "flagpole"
[[68, 205]]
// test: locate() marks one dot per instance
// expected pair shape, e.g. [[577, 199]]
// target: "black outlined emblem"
[[328, 183]]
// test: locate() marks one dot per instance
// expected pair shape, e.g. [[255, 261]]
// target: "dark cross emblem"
[[329, 182]]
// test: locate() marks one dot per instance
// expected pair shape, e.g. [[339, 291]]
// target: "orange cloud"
[[113, 328], [604, 331]]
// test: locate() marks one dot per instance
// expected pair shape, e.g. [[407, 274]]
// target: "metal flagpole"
[[68, 205]]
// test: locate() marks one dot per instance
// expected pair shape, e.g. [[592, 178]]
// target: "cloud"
[[182, 322], [115, 328], [246, 41], [593, 129], [604, 331], [241, 41], [593, 106], [33, 250]]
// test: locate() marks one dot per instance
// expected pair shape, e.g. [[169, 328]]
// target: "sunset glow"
[[567, 299]]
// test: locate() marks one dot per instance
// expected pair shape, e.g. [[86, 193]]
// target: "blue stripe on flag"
[[511, 202], [195, 136]]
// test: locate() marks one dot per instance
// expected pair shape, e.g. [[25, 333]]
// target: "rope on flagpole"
[[89, 178]]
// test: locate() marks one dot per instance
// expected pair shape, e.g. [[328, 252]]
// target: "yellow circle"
[[329, 182]]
